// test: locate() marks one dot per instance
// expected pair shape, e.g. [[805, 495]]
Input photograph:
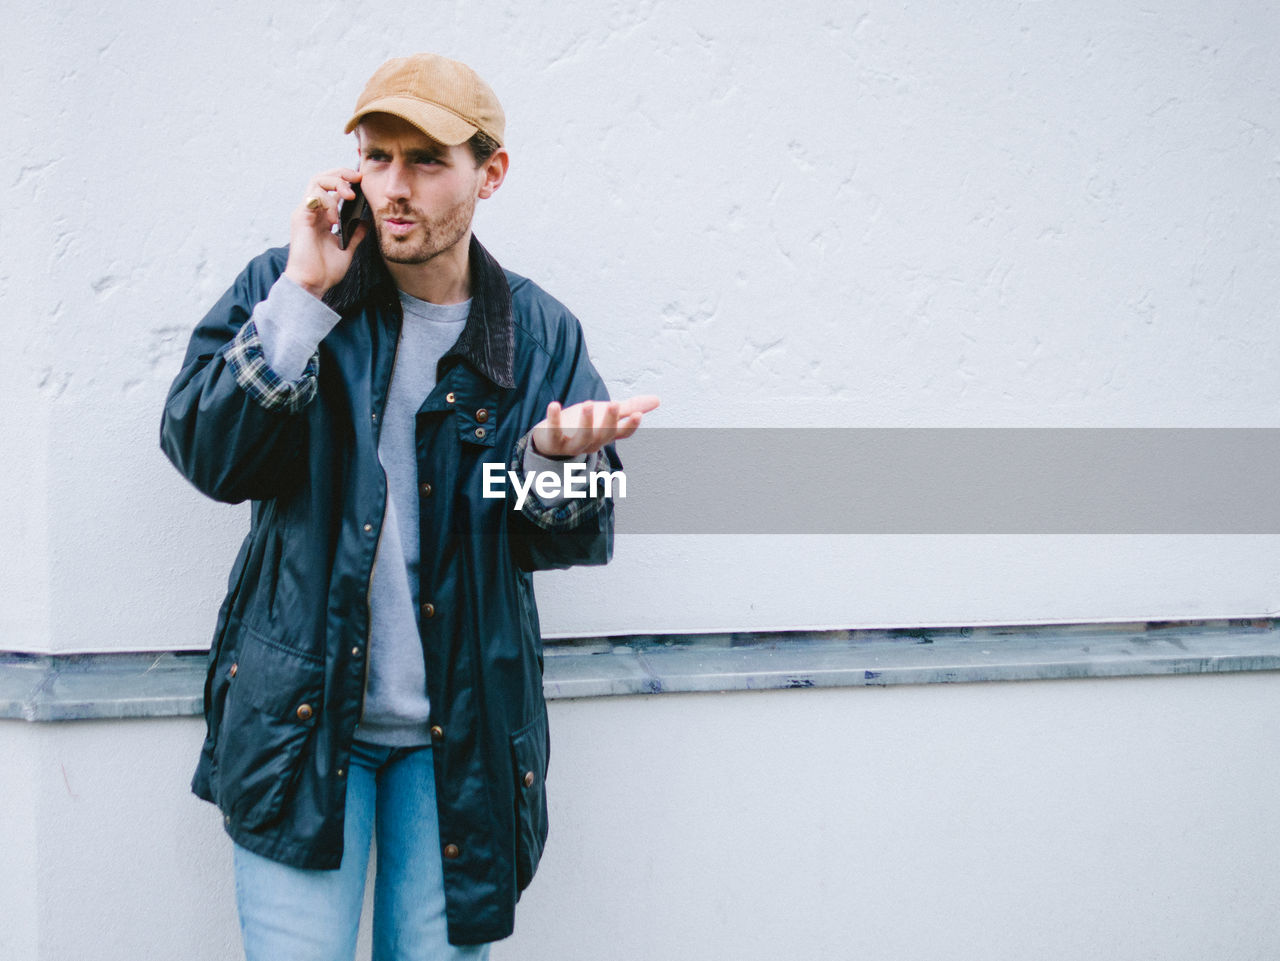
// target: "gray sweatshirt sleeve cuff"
[[291, 324]]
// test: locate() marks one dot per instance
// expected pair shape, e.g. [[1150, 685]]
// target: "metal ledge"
[[41, 687]]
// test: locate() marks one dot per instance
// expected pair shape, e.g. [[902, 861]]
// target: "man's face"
[[422, 193]]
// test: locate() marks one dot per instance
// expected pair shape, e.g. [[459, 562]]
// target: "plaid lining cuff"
[[249, 365], [564, 517]]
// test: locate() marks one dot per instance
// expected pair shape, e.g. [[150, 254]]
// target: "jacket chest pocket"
[[473, 404], [529, 756], [272, 706], [477, 416]]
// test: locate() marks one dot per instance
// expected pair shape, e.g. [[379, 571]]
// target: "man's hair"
[[482, 146]]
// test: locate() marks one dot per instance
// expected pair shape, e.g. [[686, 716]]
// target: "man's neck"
[[444, 279]]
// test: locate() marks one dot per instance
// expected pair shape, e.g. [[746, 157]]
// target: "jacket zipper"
[[377, 547]]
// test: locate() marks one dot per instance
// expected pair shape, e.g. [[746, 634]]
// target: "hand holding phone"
[[319, 257]]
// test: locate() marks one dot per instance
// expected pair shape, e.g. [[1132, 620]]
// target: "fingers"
[[587, 426], [339, 179], [605, 423], [547, 435], [319, 207], [640, 404], [628, 426], [625, 418], [362, 228], [609, 425], [329, 187]]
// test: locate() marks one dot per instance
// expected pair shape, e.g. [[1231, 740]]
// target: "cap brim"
[[436, 122]]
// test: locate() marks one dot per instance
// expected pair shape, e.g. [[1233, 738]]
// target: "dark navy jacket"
[[287, 664]]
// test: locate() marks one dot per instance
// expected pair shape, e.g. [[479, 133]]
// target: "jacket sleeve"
[[231, 425], [578, 531]]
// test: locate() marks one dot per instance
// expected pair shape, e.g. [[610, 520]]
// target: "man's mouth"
[[398, 226]]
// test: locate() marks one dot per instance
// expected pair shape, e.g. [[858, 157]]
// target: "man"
[[376, 666]]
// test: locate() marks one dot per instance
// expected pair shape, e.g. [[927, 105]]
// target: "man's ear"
[[493, 171]]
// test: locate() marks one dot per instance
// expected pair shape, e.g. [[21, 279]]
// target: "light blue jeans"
[[293, 914]]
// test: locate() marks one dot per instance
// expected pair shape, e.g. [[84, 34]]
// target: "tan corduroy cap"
[[444, 99]]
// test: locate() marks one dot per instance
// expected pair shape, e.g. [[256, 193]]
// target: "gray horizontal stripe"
[[951, 481], [166, 684]]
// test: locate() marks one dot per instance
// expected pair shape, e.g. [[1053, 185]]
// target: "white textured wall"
[[1122, 819], [19, 828], [818, 213]]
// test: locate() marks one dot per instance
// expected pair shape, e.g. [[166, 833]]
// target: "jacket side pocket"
[[272, 705], [214, 682], [529, 754]]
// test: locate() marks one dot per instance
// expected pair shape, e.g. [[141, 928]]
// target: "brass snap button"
[[428, 609], [437, 732], [425, 488], [232, 672], [528, 779], [482, 415], [450, 397], [451, 851], [304, 712], [480, 432]]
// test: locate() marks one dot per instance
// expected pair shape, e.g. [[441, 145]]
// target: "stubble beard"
[[430, 238]]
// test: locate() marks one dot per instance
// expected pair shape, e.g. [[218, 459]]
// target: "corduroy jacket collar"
[[487, 340]]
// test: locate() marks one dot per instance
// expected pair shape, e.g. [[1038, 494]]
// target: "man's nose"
[[398, 180]]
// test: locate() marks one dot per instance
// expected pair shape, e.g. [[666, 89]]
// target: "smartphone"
[[350, 213]]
